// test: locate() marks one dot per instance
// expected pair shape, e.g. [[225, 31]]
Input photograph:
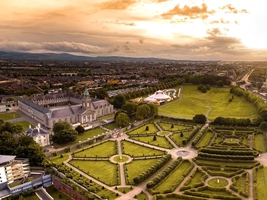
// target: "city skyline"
[[174, 29]]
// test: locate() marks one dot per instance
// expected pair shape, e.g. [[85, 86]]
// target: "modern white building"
[[72, 108], [158, 96], [12, 169]]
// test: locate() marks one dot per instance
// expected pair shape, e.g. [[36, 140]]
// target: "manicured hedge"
[[144, 175], [164, 173]]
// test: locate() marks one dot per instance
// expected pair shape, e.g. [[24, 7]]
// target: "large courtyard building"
[[72, 108]]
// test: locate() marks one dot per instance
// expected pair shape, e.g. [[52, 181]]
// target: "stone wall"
[[66, 189]]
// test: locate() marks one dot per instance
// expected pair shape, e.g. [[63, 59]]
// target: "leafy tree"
[[172, 126], [200, 87], [122, 119], [147, 128], [61, 125], [220, 83], [204, 90], [181, 134], [208, 87], [263, 126], [80, 129], [154, 138], [153, 110], [119, 100], [65, 136], [199, 118], [130, 108], [142, 112]]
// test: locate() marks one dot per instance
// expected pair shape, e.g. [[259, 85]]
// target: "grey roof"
[[6, 158], [55, 96], [34, 132], [41, 109], [64, 112], [100, 103]]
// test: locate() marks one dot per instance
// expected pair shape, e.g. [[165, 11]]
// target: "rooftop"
[[6, 158]]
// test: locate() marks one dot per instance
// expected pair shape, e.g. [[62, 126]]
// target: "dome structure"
[[160, 96]]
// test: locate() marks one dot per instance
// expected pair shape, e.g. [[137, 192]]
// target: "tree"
[[119, 100], [80, 129], [142, 112], [204, 90], [154, 138], [122, 119], [172, 126], [61, 125], [200, 87], [153, 110], [208, 87], [263, 126], [199, 118], [147, 128], [220, 83], [181, 134], [65, 136], [130, 108]]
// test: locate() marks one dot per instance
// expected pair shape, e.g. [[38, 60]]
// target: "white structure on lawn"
[[158, 96], [72, 108]]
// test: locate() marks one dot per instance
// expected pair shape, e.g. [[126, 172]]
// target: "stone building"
[[39, 135], [72, 108]]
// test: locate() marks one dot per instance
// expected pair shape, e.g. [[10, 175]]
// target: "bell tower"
[[87, 101]]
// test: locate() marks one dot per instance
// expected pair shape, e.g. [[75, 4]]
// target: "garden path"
[[89, 177], [208, 111], [250, 184]]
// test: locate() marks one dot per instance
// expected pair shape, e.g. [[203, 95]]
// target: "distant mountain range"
[[67, 57]]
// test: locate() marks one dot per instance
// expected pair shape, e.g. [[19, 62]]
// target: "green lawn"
[[25, 125], [167, 127], [57, 195], [136, 150], [178, 139], [218, 182], [90, 134], [58, 160], [261, 183], [260, 142], [160, 141], [136, 167], [9, 115], [170, 182], [195, 102], [111, 126], [104, 171], [196, 178], [204, 141], [142, 130], [142, 196], [241, 183], [106, 149]]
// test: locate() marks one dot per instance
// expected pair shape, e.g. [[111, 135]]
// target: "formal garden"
[[221, 162]]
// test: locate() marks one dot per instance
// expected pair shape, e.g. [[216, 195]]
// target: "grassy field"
[[111, 126], [259, 142], [240, 183], [9, 115], [195, 102], [142, 130], [261, 182], [218, 182], [56, 194], [168, 127], [178, 139], [58, 160], [137, 167], [142, 196], [137, 150], [197, 178], [204, 141], [105, 149], [170, 180], [160, 141], [90, 134], [25, 125], [101, 170]]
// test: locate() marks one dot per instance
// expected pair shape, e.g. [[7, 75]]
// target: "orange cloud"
[[231, 9], [193, 12], [117, 4]]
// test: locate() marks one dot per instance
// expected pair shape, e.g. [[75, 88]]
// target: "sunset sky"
[[176, 29]]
